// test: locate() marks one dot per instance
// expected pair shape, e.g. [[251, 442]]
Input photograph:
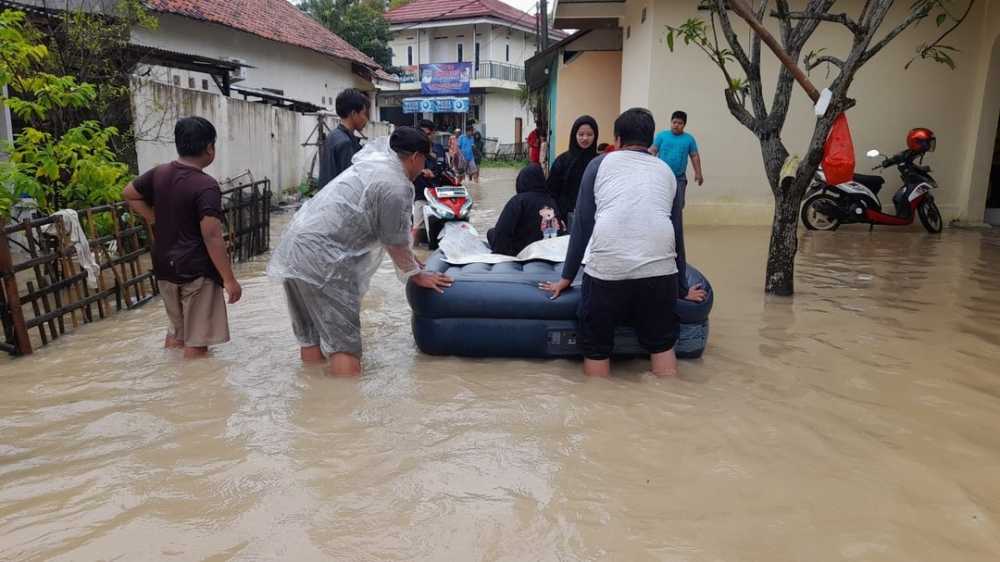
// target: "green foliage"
[[359, 22], [503, 164], [72, 168]]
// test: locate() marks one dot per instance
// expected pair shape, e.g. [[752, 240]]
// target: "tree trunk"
[[780, 277]]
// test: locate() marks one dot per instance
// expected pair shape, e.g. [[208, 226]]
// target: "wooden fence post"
[[21, 339]]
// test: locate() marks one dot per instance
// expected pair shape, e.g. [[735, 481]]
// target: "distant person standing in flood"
[[675, 147], [535, 138], [567, 170], [467, 144], [342, 143], [183, 205]]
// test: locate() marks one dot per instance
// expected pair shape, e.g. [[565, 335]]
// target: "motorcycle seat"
[[873, 183]]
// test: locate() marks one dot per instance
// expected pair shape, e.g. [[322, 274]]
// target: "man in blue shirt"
[[675, 147], [467, 144]]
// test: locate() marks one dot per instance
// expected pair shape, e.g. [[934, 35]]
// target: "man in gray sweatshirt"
[[623, 226]]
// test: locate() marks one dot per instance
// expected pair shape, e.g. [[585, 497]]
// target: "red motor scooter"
[[827, 206]]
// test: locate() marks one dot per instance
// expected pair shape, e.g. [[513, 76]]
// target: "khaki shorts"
[[197, 312]]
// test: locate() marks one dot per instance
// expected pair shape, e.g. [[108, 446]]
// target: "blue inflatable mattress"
[[499, 311]]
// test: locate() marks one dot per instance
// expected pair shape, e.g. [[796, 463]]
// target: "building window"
[[322, 100], [204, 84], [477, 56], [190, 82], [459, 52], [508, 53], [628, 32], [409, 56], [177, 81], [643, 19]]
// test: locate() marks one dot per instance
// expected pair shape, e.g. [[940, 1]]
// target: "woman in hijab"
[[528, 217], [567, 170]]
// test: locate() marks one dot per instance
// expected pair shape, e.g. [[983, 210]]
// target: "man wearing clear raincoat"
[[334, 244]]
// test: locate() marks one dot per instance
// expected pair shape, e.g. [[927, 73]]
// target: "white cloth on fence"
[[79, 239], [461, 245]]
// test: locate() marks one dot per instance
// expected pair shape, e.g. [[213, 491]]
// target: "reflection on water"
[[855, 422]]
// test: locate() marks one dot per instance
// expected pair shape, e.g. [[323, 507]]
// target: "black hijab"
[[567, 170], [531, 178]]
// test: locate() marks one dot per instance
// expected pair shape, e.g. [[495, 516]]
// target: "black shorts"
[[646, 305]]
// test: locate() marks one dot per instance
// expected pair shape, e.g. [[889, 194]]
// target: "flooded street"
[[858, 422]]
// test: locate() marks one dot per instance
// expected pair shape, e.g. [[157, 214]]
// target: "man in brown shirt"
[[184, 206]]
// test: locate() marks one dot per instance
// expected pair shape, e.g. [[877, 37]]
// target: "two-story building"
[[494, 37]]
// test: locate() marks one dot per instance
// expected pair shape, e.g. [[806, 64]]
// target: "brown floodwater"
[[859, 421]]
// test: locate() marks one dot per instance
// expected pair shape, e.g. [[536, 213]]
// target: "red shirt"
[[534, 144]]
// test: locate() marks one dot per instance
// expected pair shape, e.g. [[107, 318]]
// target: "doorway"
[[518, 130], [993, 193]]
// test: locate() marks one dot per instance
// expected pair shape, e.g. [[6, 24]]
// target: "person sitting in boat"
[[528, 217]]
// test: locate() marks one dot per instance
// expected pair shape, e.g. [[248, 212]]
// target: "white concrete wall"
[[891, 100], [440, 44], [637, 54], [252, 136], [301, 73], [502, 108]]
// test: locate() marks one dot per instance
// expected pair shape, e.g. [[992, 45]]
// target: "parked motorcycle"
[[827, 206], [447, 200]]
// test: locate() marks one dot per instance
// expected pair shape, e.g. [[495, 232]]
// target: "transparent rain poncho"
[[337, 237]]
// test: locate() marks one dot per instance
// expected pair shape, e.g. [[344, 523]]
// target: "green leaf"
[[670, 41], [941, 19]]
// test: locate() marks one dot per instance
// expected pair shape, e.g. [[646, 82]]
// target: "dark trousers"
[[647, 305], [677, 216]]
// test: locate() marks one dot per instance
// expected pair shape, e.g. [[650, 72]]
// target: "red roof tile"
[[429, 10], [277, 20]]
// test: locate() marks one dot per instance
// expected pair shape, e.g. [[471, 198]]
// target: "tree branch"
[[742, 10], [740, 112], [727, 30], [786, 24], [922, 52], [842, 19], [755, 42], [812, 62], [913, 18]]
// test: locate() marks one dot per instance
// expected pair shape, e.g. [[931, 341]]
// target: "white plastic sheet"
[[461, 245], [337, 237]]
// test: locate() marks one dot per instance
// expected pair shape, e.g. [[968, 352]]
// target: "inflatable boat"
[[499, 311]]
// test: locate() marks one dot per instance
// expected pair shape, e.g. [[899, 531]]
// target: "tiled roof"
[[430, 10], [277, 20]]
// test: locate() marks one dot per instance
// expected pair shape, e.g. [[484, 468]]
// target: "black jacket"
[[567, 170], [335, 154], [437, 162], [520, 222]]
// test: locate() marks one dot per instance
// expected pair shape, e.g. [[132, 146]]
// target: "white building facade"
[[291, 70], [496, 39]]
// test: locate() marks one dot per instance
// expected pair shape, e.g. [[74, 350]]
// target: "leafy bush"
[[77, 169]]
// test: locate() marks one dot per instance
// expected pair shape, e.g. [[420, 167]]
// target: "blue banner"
[[446, 78], [436, 105]]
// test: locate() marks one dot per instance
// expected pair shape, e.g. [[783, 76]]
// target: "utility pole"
[[538, 28], [543, 13]]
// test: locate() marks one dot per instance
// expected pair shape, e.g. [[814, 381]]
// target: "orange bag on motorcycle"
[[838, 153]]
